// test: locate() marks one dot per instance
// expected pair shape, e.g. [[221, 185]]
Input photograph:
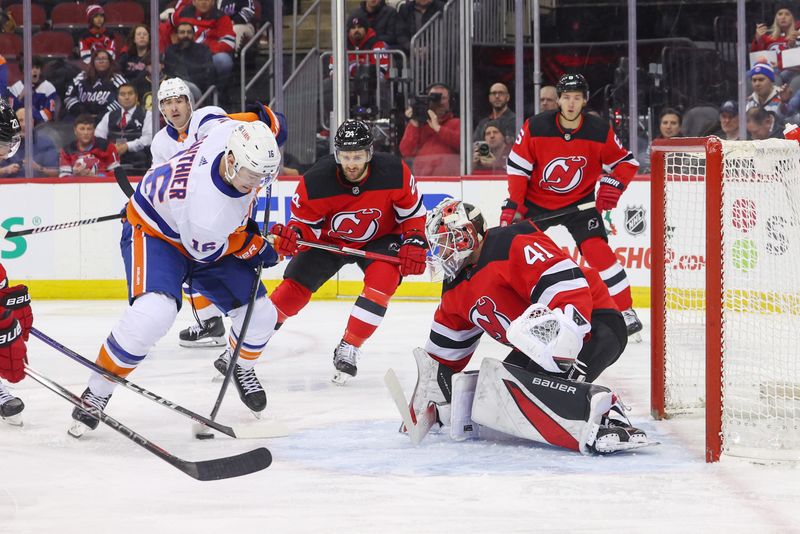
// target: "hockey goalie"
[[516, 285]]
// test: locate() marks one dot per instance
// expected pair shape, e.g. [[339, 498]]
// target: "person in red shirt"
[[96, 37], [433, 145], [88, 155], [16, 319], [556, 162], [517, 286], [361, 200], [361, 37], [782, 35]]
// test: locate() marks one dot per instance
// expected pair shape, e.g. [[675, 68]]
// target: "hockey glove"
[[18, 301], [13, 353], [508, 212], [286, 239], [276, 121], [608, 194], [256, 251], [412, 253]]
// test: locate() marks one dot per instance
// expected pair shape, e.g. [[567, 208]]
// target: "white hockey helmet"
[[454, 230], [172, 88], [254, 148]]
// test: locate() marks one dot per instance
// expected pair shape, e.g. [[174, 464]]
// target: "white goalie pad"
[[540, 408], [462, 427], [549, 337]]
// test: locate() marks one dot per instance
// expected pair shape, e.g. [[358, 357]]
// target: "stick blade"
[[424, 420], [229, 467]]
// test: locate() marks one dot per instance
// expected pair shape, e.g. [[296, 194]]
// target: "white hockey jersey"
[[186, 201], [168, 141]]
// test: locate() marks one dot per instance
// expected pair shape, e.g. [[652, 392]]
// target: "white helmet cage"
[[254, 147], [172, 88], [454, 229]]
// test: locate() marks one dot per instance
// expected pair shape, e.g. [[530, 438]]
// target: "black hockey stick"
[[565, 211], [233, 432], [346, 251], [61, 226], [246, 323], [216, 469]]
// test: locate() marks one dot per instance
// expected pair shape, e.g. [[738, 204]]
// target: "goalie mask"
[[454, 230]]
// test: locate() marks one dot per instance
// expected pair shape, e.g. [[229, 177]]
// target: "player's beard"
[[354, 176]]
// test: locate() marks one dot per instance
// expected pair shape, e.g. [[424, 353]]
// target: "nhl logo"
[[635, 222]]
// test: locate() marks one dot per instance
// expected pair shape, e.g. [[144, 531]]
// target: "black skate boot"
[[83, 420], [634, 325], [250, 390], [221, 363], [345, 359], [10, 407], [210, 334], [616, 433]]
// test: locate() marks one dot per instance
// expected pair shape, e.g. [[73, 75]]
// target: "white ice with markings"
[[345, 468]]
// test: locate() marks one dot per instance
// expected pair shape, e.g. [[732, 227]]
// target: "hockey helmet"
[[572, 82], [255, 151], [454, 230], [9, 131], [353, 135], [173, 88]]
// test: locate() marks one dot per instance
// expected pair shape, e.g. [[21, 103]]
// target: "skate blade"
[[77, 429], [340, 378], [13, 420], [612, 448], [209, 343], [635, 338]]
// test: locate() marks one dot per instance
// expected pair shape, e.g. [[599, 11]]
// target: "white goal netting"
[[760, 312]]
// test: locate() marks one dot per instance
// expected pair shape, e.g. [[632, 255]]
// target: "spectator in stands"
[[44, 94], [242, 14], [143, 84], [188, 60], [500, 113], [45, 155], [3, 78], [411, 16], [729, 120], [214, 29], [361, 37], [548, 98], [763, 124], [87, 155], [782, 35], [130, 128], [95, 90], [96, 37], [669, 123], [434, 145], [7, 22], [132, 59], [381, 18], [491, 153], [764, 95]]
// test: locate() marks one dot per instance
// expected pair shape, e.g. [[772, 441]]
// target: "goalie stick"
[[215, 469], [272, 430], [417, 424]]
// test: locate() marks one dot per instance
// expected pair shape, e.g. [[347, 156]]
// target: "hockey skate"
[[210, 334], [221, 363], [83, 421], [250, 390], [615, 433], [634, 325], [345, 359], [10, 407]]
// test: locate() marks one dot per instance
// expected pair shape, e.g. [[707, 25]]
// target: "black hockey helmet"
[[9, 130], [572, 82], [353, 135]]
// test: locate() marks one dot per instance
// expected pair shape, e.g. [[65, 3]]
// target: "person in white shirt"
[[129, 128]]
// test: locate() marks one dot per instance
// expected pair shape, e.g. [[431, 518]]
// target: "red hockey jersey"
[[518, 265], [100, 158], [336, 211], [552, 167]]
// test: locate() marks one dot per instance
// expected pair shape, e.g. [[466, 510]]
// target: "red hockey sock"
[[289, 298], [599, 255], [380, 282]]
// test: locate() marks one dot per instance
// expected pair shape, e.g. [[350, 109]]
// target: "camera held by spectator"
[[420, 105]]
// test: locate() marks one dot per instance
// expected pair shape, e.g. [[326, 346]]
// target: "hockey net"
[[726, 292]]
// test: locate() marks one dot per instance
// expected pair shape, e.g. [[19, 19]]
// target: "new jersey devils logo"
[[361, 225], [484, 314], [563, 174]]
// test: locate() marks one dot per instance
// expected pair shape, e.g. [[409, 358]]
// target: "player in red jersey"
[[361, 200], [16, 319], [556, 162], [516, 285]]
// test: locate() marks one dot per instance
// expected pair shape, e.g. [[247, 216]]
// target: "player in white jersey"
[[190, 217]]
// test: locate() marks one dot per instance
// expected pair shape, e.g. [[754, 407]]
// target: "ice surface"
[[345, 468]]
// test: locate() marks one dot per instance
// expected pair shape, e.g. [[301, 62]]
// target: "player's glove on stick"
[[412, 253], [12, 347], [286, 239], [256, 251], [508, 212], [608, 193]]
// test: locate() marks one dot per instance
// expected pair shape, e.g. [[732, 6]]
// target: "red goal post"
[[725, 292]]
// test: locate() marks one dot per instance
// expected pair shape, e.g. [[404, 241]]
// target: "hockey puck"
[[201, 435]]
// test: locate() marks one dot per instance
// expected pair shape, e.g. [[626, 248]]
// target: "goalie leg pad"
[[434, 383], [462, 427], [537, 407]]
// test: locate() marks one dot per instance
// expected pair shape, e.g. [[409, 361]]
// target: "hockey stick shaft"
[[566, 211], [216, 469], [130, 385], [63, 226], [348, 251]]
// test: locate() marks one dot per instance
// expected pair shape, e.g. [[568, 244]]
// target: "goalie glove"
[[548, 337]]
